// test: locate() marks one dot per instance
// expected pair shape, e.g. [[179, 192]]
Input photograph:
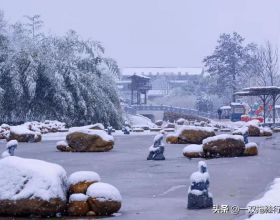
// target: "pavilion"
[[266, 94]]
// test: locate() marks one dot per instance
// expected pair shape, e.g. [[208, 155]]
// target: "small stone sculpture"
[[198, 195], [157, 149]]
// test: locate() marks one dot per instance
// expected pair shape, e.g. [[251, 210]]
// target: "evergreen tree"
[[230, 63]]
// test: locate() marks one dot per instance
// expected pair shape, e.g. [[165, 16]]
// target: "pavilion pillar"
[[131, 96], [145, 98], [273, 107]]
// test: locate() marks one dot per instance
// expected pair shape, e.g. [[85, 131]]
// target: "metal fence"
[[165, 108]]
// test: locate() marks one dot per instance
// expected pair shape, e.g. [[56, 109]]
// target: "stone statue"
[[198, 195], [157, 149]]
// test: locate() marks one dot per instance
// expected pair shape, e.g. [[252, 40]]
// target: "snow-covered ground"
[[158, 189]]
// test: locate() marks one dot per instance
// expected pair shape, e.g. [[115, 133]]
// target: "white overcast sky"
[[155, 32]]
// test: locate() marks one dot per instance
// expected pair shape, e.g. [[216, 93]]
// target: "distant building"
[[162, 79]]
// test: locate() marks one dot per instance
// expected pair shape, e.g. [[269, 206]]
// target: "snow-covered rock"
[[254, 130], [193, 151], [224, 145], [180, 121], [104, 199], [38, 187], [22, 134], [241, 131], [46, 127], [97, 126], [81, 180], [194, 134], [265, 131], [62, 146], [251, 149], [87, 140], [172, 138], [139, 121], [11, 146], [78, 205]]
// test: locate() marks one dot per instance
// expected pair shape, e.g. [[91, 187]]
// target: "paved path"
[[155, 190]]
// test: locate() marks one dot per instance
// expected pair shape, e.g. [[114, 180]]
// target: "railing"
[[165, 108]]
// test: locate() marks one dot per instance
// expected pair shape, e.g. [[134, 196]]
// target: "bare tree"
[[34, 24], [267, 66]]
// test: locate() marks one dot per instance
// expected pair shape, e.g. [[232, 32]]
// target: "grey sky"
[[154, 32]]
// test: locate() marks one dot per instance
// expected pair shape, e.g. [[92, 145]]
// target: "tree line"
[[55, 77]]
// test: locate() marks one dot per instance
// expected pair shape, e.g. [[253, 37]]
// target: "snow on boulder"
[[251, 149], [159, 123], [169, 125], [104, 199], [224, 145], [22, 134], [139, 121], [4, 131], [87, 140], [62, 146], [31, 187], [194, 134], [97, 126], [193, 151], [172, 138], [270, 199], [253, 128], [240, 131], [265, 131], [180, 121], [81, 180], [78, 205]]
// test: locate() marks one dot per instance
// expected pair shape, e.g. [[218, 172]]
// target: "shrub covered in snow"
[[38, 187]]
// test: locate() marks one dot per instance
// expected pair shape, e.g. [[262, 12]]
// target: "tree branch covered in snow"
[[50, 77]]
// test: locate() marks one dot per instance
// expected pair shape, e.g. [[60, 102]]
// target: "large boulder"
[[193, 151], [88, 140], [22, 134], [194, 134], [104, 199], [254, 130], [224, 145], [81, 180], [31, 187], [78, 205], [265, 131]]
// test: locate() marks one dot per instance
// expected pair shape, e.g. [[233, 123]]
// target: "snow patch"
[[78, 197], [29, 179], [223, 137], [83, 176], [193, 148], [104, 192]]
